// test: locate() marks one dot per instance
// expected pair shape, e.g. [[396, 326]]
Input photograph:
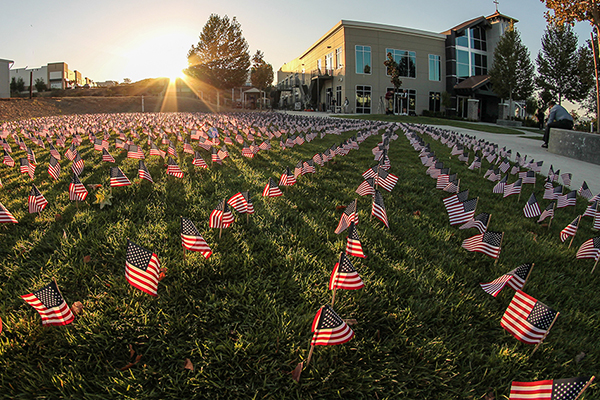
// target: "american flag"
[[453, 185], [528, 177], [344, 276], [455, 199], [537, 167], [173, 169], [107, 157], [552, 389], [221, 217], [249, 204], [462, 212], [476, 163], [8, 160], [349, 215], [479, 222], [366, 188], [527, 319], [143, 172], [329, 329], [516, 170], [27, 167], [135, 151], [36, 201], [155, 151], [54, 168], [265, 145], [308, 167], [199, 161], [119, 144], [353, 245], [54, 152], [71, 152], [570, 230], [223, 153], [238, 202], [569, 199], [494, 176], [378, 208], [271, 189], [515, 279], [591, 210], [566, 178], [499, 187], [77, 165], [192, 240], [443, 180], [487, 243], [142, 268], [464, 157], [513, 188], [318, 159], [51, 306], [215, 156], [187, 147], [6, 216], [386, 180], [532, 208], [590, 249], [171, 150], [553, 193], [287, 178], [98, 145], [77, 191], [118, 178], [246, 152], [504, 165], [548, 212], [298, 170], [31, 156], [584, 191]]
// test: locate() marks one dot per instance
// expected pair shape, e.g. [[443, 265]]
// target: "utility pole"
[[31, 84]]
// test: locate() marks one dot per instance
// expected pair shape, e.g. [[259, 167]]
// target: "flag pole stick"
[[220, 229], [458, 187], [553, 209], [310, 353], [529, 273], [499, 248], [333, 297], [573, 237], [585, 387], [488, 223], [184, 254], [545, 334], [247, 217], [595, 265]]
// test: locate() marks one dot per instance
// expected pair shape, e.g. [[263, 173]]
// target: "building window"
[[407, 62], [319, 66], [339, 62], [434, 101], [363, 59], [329, 62], [478, 64], [462, 64], [478, 38], [338, 96], [435, 63], [363, 99]]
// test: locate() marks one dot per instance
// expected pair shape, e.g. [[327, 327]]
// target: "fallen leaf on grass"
[[579, 357], [188, 364], [77, 308], [87, 259], [417, 213], [340, 207], [297, 372], [161, 276], [57, 217], [131, 364], [351, 321], [490, 396]]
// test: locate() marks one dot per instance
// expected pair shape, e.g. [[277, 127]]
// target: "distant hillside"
[[17, 109]]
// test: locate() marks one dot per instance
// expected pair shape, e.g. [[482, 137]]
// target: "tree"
[[393, 70], [221, 57], [40, 85], [571, 11], [261, 73], [563, 69], [126, 81], [511, 74]]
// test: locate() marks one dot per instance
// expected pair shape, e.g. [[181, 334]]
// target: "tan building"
[[347, 63], [5, 66]]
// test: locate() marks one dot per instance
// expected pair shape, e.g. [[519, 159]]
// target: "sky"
[[138, 39]]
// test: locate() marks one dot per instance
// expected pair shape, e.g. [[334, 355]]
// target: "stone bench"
[[574, 144]]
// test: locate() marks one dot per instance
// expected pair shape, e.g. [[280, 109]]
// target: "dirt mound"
[[17, 109]]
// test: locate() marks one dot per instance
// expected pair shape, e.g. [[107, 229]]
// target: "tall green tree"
[[563, 69], [511, 74], [221, 57], [261, 73]]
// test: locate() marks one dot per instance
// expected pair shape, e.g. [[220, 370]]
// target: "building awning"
[[471, 84]]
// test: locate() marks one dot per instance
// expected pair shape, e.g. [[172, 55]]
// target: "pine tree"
[[563, 68], [221, 57], [511, 74], [261, 73]]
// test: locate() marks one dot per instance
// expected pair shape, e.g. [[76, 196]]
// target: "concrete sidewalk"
[[581, 170]]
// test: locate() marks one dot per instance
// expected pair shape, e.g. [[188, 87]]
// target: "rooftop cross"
[[496, 3]]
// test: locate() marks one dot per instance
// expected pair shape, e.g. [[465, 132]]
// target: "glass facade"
[[339, 62], [471, 53], [407, 62], [434, 101], [363, 59], [363, 99], [435, 67]]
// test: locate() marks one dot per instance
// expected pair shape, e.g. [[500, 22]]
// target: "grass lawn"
[[425, 329]]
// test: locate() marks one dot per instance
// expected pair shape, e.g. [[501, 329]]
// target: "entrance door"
[[401, 103], [463, 107]]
